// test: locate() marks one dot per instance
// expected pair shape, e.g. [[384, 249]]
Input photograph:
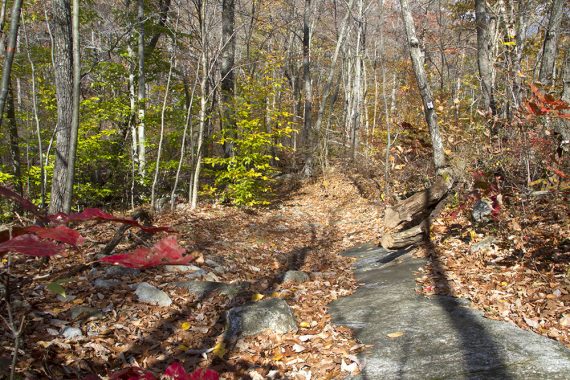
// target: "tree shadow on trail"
[[481, 353]]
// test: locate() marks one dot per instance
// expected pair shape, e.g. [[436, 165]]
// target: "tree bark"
[[203, 106], [75, 116], [566, 79], [308, 169], [227, 72], [14, 142], [308, 103], [423, 85], [9, 56], [63, 58], [486, 24], [549, 47], [141, 95]]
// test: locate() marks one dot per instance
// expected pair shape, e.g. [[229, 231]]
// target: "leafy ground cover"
[[305, 231], [514, 268]]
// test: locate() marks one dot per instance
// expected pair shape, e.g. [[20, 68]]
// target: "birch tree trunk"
[[203, 105], [358, 82], [75, 114], [63, 58], [141, 95], [227, 72], [549, 47], [486, 25], [423, 85]]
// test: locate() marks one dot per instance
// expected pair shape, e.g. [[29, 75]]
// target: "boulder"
[[152, 295], [482, 210], [271, 314]]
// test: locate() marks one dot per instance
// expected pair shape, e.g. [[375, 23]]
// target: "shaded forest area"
[[225, 119]]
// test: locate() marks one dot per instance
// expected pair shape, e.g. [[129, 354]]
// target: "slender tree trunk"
[[203, 104], [308, 169], [550, 45], [62, 35], [227, 72], [36, 118], [423, 85], [75, 116], [358, 82], [566, 79], [521, 18], [141, 95], [9, 56], [171, 67], [308, 104], [14, 142], [486, 24]]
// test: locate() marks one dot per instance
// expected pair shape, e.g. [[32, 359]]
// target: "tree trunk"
[[75, 116], [14, 142], [486, 25], [566, 79], [9, 56], [550, 44], [227, 72], [203, 105], [520, 39], [308, 170], [423, 85], [358, 84], [63, 58], [308, 104], [141, 95]]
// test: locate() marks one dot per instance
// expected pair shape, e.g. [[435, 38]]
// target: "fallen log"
[[406, 238], [415, 208]]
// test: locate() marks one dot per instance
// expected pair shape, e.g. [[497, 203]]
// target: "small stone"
[[181, 268], [71, 332], [481, 211], [118, 271], [196, 275], [271, 314], [85, 312], [152, 295], [67, 298], [485, 243], [295, 276], [211, 277], [106, 284], [52, 332], [201, 289]]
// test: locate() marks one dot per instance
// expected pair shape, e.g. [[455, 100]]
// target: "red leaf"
[[176, 371], [31, 245], [165, 252], [132, 373], [23, 202], [204, 374], [62, 234]]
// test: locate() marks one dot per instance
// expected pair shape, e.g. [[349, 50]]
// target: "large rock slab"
[[270, 314], [442, 337]]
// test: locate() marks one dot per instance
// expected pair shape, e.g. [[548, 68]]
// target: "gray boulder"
[[271, 314], [152, 295], [85, 312], [295, 276]]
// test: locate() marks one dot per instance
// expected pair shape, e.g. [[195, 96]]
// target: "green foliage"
[[244, 178]]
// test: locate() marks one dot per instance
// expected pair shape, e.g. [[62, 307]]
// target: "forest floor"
[[522, 276]]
